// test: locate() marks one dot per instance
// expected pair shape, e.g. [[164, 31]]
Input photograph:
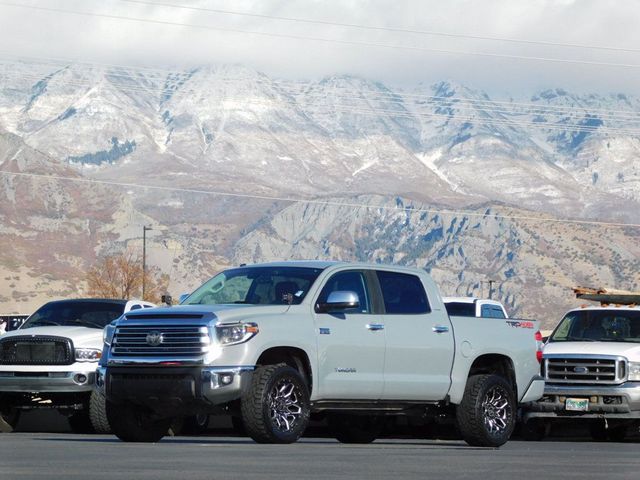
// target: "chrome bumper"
[[615, 401], [63, 382]]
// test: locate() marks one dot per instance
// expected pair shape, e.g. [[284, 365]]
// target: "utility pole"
[[491, 288], [144, 257]]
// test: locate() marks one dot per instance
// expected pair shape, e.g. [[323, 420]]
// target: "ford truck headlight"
[[235, 333], [108, 332], [88, 354], [634, 371]]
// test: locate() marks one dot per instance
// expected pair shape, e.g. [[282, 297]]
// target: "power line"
[[403, 113], [325, 40], [298, 85], [320, 202], [388, 29]]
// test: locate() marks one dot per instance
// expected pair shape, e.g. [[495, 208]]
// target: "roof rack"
[[608, 296]]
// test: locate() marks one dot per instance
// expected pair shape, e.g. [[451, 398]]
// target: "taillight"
[[538, 337]]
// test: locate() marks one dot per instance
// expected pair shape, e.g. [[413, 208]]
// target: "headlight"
[[88, 354], [108, 332], [634, 371], [236, 333]]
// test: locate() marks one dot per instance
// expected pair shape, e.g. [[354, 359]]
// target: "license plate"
[[577, 404]]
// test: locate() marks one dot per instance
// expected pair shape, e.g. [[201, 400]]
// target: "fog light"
[[226, 379], [80, 378]]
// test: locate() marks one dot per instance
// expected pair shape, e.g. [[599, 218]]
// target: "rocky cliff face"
[[209, 157]]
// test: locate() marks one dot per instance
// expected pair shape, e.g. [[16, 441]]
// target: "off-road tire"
[[98, 413], [9, 419], [355, 428], [277, 394], [535, 430], [131, 423], [486, 416]]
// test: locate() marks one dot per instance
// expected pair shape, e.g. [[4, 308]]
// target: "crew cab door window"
[[351, 281], [486, 311], [402, 293]]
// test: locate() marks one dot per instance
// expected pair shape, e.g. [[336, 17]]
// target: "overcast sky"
[[38, 33]]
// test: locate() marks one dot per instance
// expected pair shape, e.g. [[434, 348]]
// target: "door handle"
[[375, 326], [440, 329]]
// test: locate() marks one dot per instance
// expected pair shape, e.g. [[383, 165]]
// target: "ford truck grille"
[[585, 370], [36, 350], [185, 341]]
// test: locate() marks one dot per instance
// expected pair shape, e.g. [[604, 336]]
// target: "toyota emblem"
[[154, 338]]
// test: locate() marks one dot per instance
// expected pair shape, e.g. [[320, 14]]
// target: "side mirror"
[[338, 301], [166, 299], [183, 297]]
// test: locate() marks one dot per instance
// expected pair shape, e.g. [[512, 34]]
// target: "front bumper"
[[47, 381], [174, 388], [615, 401]]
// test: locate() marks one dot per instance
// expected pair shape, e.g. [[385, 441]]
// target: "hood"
[[224, 313], [629, 350], [80, 336]]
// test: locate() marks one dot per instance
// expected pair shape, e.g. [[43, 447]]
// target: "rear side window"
[[497, 312], [486, 311], [402, 293], [461, 309]]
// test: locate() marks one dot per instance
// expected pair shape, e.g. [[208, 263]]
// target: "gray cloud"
[[595, 22]]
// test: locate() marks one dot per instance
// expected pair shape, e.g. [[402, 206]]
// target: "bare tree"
[[120, 276]]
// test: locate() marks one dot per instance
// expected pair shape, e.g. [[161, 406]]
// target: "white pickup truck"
[[591, 365], [50, 361], [474, 307], [273, 343]]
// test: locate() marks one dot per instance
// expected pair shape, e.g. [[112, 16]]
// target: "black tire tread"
[[98, 413], [252, 404], [470, 424]]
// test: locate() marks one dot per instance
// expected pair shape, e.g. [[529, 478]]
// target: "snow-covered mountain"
[[213, 145]]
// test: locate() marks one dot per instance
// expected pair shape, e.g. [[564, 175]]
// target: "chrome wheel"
[[497, 412], [285, 405]]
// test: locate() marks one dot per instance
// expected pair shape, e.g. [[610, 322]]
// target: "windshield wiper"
[[41, 323]]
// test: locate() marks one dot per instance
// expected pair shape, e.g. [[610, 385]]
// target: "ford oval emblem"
[[154, 338], [581, 369]]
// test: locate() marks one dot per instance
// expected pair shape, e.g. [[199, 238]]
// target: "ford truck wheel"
[[9, 419], [486, 415], [131, 423], [98, 413], [276, 407], [355, 428]]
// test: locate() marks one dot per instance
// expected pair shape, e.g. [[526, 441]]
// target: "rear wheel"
[[276, 408], [535, 430], [131, 423], [194, 424], [486, 415], [355, 428], [9, 419]]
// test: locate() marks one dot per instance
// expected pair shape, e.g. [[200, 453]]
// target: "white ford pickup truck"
[[591, 364], [50, 361], [273, 343]]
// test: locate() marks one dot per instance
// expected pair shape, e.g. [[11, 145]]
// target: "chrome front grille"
[[36, 350], [184, 341], [598, 370]]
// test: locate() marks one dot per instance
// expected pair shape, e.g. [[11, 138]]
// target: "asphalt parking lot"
[[44, 448], [32, 455]]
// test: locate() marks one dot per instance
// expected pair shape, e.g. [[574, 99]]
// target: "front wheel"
[[486, 415], [276, 408], [131, 423]]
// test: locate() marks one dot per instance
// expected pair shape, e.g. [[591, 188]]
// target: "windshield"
[[256, 286], [460, 309], [617, 325], [75, 314]]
